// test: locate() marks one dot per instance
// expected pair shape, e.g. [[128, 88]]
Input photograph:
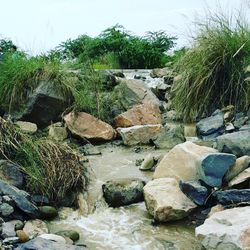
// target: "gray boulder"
[[237, 143], [123, 192]]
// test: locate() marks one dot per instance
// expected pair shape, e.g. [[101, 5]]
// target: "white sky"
[[40, 25]]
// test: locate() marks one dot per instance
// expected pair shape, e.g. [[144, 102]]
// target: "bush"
[[51, 168], [213, 69]]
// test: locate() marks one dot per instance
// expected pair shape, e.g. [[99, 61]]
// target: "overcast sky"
[[39, 25]]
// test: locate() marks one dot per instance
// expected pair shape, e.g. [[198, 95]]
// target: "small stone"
[[48, 212], [27, 127], [72, 234], [58, 133], [6, 210], [23, 237], [148, 163], [11, 241], [19, 225]]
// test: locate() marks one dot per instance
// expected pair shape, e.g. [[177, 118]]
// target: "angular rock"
[[20, 199], [214, 166], [242, 180], [228, 229], [170, 136], [123, 192], [46, 104], [8, 229], [183, 162], [131, 92], [165, 201], [142, 114], [161, 72], [11, 173], [233, 196], [211, 126], [237, 143], [58, 133], [148, 162], [34, 228], [27, 127], [48, 212], [195, 191], [241, 164], [140, 134], [42, 244], [87, 126], [160, 90]]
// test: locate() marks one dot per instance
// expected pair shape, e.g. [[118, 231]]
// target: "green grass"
[[213, 69]]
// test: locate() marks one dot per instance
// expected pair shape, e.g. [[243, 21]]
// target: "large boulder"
[[41, 244], [183, 162], [237, 143], [20, 199], [131, 92], [233, 197], [228, 229], [161, 72], [123, 192], [140, 134], [46, 104], [143, 114], [87, 126], [212, 126], [165, 201], [170, 136]]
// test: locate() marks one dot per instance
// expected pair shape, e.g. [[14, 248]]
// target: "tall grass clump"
[[213, 69], [51, 169]]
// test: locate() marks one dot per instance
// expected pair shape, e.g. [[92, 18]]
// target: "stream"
[[127, 227]]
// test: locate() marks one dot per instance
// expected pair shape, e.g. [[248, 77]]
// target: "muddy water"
[[126, 227]]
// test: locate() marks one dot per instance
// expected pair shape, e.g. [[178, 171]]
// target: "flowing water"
[[130, 227]]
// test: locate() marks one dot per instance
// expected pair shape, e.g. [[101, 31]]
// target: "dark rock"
[[72, 234], [160, 90], [42, 244], [233, 197], [195, 191], [123, 192], [20, 199], [237, 143], [46, 105], [11, 173], [139, 77], [40, 199], [119, 74], [48, 212], [109, 80], [211, 126], [168, 80]]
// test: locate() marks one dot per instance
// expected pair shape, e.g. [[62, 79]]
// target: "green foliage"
[[6, 45], [51, 168], [213, 69], [129, 51]]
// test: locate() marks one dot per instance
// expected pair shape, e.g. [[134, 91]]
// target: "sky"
[[40, 25]]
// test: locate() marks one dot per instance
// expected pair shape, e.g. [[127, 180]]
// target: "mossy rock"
[[48, 212], [72, 234]]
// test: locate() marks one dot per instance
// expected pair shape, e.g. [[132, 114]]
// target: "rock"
[[87, 126], [242, 180], [214, 166], [190, 130], [165, 201], [19, 225], [27, 127], [229, 127], [48, 212], [10, 241], [42, 244], [148, 163], [228, 229], [123, 192], [140, 134], [118, 74], [233, 197], [161, 72], [160, 90], [132, 92], [6, 210], [40, 199], [142, 114], [46, 104], [195, 191], [240, 120], [53, 237], [58, 133], [237, 143], [8, 229], [34, 228], [170, 136], [182, 162], [229, 116], [23, 237], [108, 79], [72, 234], [215, 209], [245, 127], [11, 173], [212, 126], [20, 199], [241, 164], [89, 149]]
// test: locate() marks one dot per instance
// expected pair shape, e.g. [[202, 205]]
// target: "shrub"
[[213, 69], [51, 168]]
